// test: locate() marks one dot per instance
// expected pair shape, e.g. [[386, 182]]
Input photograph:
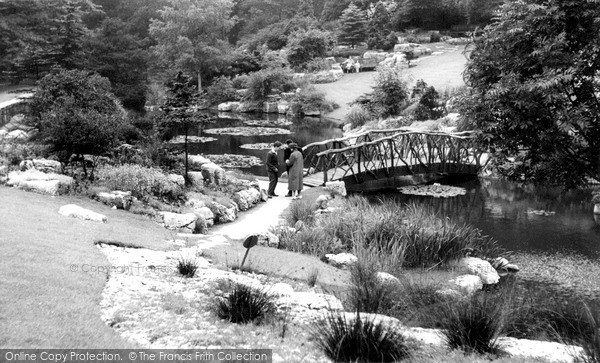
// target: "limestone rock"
[[116, 198], [341, 260], [322, 201], [467, 284], [213, 174], [283, 107], [481, 268], [246, 199], [299, 225], [48, 166], [75, 211], [185, 223], [268, 239], [263, 195], [50, 187], [224, 214], [196, 178], [46, 183], [177, 179], [228, 106], [336, 188], [17, 135], [387, 279], [249, 107], [270, 107], [196, 161], [281, 289], [312, 301], [205, 214]]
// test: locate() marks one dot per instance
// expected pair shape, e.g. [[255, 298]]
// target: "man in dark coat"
[[273, 168], [286, 155]]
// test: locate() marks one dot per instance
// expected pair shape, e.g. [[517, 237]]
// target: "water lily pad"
[[269, 123], [192, 139], [235, 161], [436, 190], [258, 146], [248, 131]]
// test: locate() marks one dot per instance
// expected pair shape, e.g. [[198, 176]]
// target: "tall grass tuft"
[[367, 292], [359, 340], [591, 338], [473, 324], [300, 211], [245, 304], [187, 267]]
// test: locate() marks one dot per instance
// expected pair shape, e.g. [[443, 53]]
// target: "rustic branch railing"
[[382, 150]]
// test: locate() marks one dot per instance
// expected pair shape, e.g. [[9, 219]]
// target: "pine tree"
[[353, 24], [306, 8]]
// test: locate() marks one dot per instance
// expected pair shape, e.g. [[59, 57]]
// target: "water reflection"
[[522, 218]]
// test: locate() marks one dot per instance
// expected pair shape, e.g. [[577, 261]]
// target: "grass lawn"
[[443, 71], [42, 302]]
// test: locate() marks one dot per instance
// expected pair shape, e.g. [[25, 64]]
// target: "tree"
[[534, 90], [306, 45], [192, 35], [306, 8], [181, 109], [379, 28], [77, 114], [353, 26]]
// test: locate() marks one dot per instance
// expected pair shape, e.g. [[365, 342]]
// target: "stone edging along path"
[[153, 306]]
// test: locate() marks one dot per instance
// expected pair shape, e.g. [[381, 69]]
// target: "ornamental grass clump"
[[368, 293], [591, 338], [473, 324], [245, 304], [187, 267], [359, 339]]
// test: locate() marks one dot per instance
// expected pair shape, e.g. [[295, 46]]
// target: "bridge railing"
[[386, 149]]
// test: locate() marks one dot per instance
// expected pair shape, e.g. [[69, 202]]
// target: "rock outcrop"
[[185, 223], [75, 211]]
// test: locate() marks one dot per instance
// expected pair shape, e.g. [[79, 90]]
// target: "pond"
[[302, 130], [521, 218]]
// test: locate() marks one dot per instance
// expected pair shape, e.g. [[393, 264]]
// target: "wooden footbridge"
[[384, 159]]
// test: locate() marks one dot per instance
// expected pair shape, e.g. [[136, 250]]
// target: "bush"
[[309, 99], [245, 304], [187, 267], [143, 182], [473, 324], [240, 81], [305, 45], [390, 93], [221, 90], [359, 340], [267, 81], [358, 116]]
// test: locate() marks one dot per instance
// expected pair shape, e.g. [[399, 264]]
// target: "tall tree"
[[181, 108], [191, 35], [534, 91], [353, 26], [306, 8]]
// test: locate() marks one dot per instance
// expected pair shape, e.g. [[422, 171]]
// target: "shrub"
[[141, 181], [240, 81], [245, 304], [15, 152], [390, 93], [264, 82], [359, 340], [221, 90], [305, 45], [187, 266], [317, 65], [473, 324], [309, 99], [358, 116]]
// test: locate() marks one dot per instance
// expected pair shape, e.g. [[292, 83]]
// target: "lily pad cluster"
[[257, 146], [234, 160], [192, 139], [436, 190], [248, 131], [269, 123]]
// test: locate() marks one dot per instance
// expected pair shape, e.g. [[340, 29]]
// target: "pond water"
[[521, 218], [302, 130]]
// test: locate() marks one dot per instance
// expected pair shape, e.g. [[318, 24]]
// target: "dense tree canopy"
[[353, 26], [534, 90]]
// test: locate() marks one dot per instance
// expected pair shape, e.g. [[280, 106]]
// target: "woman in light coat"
[[296, 171]]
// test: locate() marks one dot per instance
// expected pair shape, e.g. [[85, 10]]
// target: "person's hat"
[[293, 145]]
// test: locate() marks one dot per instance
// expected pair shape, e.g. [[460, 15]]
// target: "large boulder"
[[224, 214], [466, 284], [228, 106], [283, 107], [43, 165], [341, 260], [268, 239], [45, 183], [249, 107], [213, 174], [196, 178], [270, 107], [479, 267], [246, 199], [185, 223], [206, 215], [117, 199], [177, 179], [75, 211]]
